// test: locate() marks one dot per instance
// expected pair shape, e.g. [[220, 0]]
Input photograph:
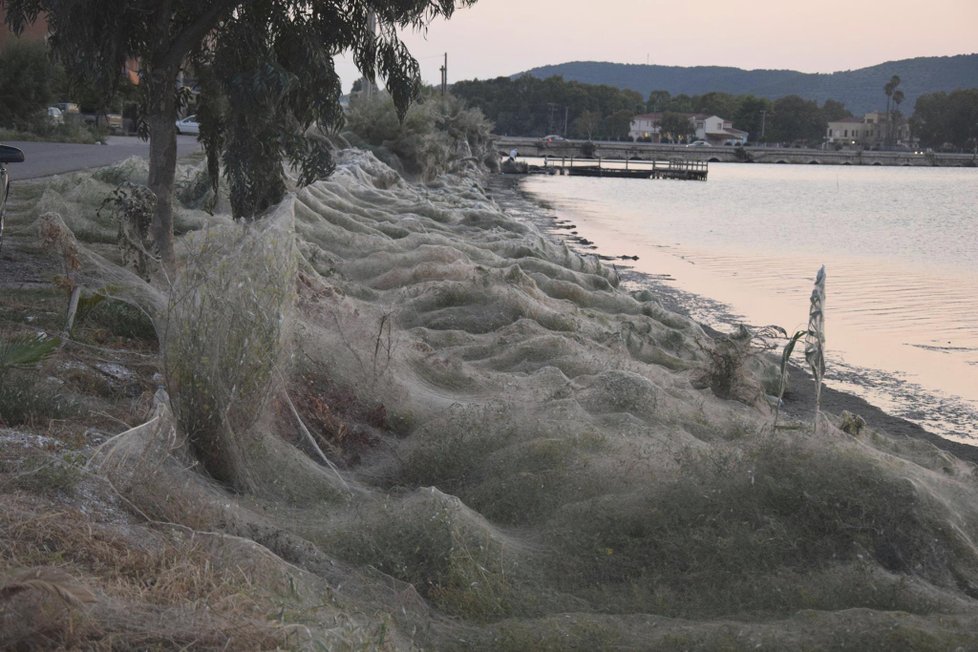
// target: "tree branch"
[[193, 33]]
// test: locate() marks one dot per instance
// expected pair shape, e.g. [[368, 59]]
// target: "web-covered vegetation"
[[395, 415]]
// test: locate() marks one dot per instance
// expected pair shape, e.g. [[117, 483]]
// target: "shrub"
[[223, 340], [132, 205], [438, 135], [25, 84], [117, 317]]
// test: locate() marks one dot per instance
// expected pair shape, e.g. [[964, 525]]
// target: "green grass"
[[119, 319], [25, 398]]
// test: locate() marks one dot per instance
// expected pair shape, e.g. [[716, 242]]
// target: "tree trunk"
[[161, 119]]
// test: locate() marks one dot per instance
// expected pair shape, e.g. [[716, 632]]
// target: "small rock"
[[115, 371]]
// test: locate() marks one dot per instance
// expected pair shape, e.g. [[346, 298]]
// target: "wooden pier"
[[625, 169]]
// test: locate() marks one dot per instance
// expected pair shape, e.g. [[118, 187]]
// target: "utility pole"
[[565, 121], [444, 77], [763, 121]]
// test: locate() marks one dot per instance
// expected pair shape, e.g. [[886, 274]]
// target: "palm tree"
[[897, 99], [890, 88]]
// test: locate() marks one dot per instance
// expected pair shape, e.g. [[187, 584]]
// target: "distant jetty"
[[624, 169], [634, 152]]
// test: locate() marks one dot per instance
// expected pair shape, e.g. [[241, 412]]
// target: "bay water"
[[900, 246]]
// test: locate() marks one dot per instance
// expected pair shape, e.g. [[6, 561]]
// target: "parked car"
[[110, 121], [188, 125], [698, 143], [67, 107], [55, 116], [551, 139]]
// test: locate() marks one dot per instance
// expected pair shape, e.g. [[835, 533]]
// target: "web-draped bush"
[[223, 341], [438, 135]]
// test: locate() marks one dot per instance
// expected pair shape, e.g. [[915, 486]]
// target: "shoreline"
[[800, 395]]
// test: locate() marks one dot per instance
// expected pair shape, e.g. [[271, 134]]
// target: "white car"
[[698, 143], [188, 125]]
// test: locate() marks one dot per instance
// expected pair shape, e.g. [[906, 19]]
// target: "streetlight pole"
[[444, 77]]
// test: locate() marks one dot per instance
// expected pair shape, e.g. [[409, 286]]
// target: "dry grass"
[[343, 424], [82, 568], [66, 581]]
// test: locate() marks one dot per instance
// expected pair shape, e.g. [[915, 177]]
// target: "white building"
[[717, 131], [646, 127], [867, 131], [850, 131], [713, 129]]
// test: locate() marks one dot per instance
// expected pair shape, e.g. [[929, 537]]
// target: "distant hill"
[[860, 90]]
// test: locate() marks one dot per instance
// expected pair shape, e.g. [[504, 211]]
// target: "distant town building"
[[717, 131], [646, 127], [871, 130], [710, 128]]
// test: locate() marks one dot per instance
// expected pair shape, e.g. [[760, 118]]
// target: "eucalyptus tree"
[[268, 72], [586, 124], [717, 103], [794, 119], [947, 119], [751, 116], [657, 101], [617, 125], [675, 126]]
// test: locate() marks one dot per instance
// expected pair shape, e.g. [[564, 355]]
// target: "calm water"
[[900, 246]]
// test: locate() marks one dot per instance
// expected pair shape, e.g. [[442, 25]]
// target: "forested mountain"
[[860, 90]]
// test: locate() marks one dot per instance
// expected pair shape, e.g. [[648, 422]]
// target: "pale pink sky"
[[503, 37]]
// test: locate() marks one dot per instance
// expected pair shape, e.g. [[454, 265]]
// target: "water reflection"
[[900, 246]]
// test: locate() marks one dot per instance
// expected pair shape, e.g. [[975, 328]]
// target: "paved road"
[[45, 159]]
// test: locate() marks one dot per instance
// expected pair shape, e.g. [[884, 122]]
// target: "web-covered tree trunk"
[[161, 119]]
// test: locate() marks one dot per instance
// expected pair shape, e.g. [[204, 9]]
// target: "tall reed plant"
[[814, 346], [815, 338]]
